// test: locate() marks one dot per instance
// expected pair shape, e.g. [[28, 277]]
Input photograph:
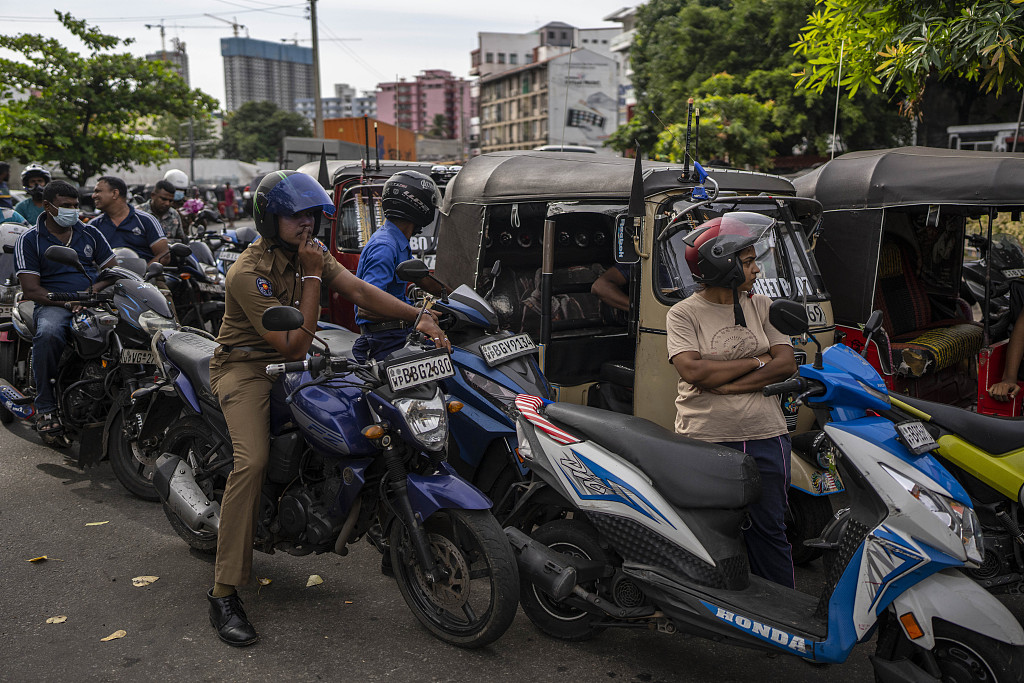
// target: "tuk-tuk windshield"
[[784, 254], [361, 215]]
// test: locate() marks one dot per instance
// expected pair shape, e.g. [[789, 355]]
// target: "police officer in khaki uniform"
[[287, 266]]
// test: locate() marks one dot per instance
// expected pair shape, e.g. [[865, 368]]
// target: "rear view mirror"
[[63, 255], [874, 323], [153, 269], [412, 270], [789, 317], [180, 250], [282, 319], [628, 235]]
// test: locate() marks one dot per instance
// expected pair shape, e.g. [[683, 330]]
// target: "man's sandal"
[[48, 423]]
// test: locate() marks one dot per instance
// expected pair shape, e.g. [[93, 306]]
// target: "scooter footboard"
[[951, 596], [430, 493]]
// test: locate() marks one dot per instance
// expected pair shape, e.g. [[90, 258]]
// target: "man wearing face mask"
[[34, 178], [57, 225]]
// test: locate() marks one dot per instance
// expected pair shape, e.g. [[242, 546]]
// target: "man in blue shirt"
[[123, 226], [409, 201], [58, 225]]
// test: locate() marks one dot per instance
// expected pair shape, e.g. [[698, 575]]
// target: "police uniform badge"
[[263, 287]]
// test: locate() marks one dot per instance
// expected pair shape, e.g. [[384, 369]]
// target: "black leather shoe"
[[230, 622]]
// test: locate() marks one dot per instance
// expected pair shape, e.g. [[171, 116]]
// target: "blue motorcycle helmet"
[[285, 193]]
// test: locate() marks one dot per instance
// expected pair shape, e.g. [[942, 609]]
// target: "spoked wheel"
[[476, 603], [959, 655], [132, 464], [577, 539], [192, 441]]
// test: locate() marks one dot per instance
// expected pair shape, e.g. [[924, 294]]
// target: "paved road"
[[354, 626]]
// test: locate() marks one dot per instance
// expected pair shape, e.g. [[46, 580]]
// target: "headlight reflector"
[[427, 419], [503, 398], [151, 321]]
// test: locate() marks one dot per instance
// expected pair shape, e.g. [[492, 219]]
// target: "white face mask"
[[179, 195], [65, 218]]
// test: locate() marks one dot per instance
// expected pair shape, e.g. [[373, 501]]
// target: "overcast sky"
[[395, 37]]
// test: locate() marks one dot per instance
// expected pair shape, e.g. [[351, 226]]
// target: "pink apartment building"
[[413, 104]]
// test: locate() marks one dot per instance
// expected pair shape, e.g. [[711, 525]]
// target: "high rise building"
[[345, 104], [259, 70], [416, 104], [176, 57]]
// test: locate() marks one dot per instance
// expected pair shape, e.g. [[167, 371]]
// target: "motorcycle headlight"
[[212, 274], [427, 420], [881, 396], [151, 321], [960, 519], [504, 399]]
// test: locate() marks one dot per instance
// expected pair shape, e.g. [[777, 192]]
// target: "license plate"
[[137, 357], [211, 287], [1014, 272], [815, 315], [421, 369], [227, 255], [916, 437], [6, 310], [430, 260], [505, 349]]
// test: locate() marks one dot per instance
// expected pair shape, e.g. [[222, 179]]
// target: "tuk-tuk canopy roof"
[[340, 170], [524, 176], [911, 176]]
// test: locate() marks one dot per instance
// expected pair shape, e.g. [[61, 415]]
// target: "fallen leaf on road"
[[265, 582], [140, 581], [56, 620], [348, 602], [97, 523], [41, 558], [120, 633], [314, 580]]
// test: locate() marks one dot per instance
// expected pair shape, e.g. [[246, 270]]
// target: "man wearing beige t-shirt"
[[726, 352]]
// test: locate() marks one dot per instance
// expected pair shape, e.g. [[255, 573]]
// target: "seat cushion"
[[689, 473], [939, 348], [191, 354], [996, 435], [340, 341], [26, 309], [619, 372]]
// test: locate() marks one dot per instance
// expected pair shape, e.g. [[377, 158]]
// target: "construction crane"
[[233, 24], [163, 27]]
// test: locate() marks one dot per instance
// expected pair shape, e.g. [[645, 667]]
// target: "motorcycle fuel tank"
[[331, 417]]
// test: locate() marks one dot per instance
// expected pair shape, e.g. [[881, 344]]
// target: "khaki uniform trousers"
[[242, 386]]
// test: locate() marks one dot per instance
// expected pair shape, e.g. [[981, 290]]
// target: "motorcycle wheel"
[[961, 656], [131, 465], [8, 357], [806, 517], [191, 440], [476, 604], [576, 539]]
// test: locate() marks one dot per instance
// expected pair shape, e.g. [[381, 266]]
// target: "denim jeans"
[[53, 328], [378, 345]]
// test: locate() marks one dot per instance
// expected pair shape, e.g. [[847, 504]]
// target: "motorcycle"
[[353, 445], [13, 354], [651, 543], [108, 356], [232, 244], [196, 286], [1007, 272]]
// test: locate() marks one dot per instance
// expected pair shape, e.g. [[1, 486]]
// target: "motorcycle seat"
[[191, 354], [996, 435], [618, 372], [26, 309], [340, 341], [688, 472]]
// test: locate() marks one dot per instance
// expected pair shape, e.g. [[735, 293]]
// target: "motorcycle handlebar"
[[70, 296], [790, 385], [312, 365]]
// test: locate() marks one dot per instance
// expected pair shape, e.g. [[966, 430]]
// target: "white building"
[[620, 46]]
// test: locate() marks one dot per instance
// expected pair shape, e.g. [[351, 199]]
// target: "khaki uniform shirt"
[[696, 324], [260, 279]]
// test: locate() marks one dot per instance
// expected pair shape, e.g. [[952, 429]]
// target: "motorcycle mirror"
[[180, 250], [153, 269], [874, 322], [282, 319], [412, 270], [63, 255], [789, 317]]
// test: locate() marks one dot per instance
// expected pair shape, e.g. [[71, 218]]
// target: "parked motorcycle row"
[[484, 488]]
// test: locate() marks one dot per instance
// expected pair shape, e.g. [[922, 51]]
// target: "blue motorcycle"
[[353, 445]]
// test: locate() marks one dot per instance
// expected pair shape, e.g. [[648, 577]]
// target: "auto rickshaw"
[[520, 224], [892, 238], [356, 191]]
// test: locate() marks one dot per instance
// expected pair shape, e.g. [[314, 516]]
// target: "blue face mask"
[[179, 195], [65, 218]]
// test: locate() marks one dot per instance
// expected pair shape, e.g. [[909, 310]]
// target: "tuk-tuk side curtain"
[[847, 255], [458, 245]]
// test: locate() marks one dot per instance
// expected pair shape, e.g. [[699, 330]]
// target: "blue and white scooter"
[[654, 536]]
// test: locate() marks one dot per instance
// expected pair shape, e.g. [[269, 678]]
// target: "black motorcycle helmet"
[[411, 196], [285, 193]]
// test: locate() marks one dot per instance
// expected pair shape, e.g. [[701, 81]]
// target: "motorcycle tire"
[[558, 620], [191, 436], [962, 656], [132, 467], [476, 604], [8, 358], [806, 517]]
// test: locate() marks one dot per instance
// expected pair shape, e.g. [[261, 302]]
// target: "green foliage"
[[256, 130], [439, 127], [176, 130], [734, 57], [86, 112], [896, 46]]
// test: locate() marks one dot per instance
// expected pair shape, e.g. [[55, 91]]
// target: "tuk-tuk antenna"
[[366, 140], [696, 136], [839, 80], [565, 106], [376, 146], [324, 176], [686, 147]]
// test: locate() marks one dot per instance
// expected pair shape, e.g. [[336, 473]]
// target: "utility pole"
[[318, 104]]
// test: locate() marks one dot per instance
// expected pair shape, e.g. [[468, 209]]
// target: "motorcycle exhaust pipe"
[[175, 483], [542, 565]]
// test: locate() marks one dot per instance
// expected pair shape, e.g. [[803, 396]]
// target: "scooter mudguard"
[[432, 492], [15, 401], [950, 592]]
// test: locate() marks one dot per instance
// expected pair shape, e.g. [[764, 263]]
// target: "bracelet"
[[760, 363], [312, 277]]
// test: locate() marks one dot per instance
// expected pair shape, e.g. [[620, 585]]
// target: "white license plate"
[[430, 260], [420, 371], [227, 255], [916, 437], [815, 315], [6, 310], [210, 287], [137, 357], [510, 347], [1013, 272]]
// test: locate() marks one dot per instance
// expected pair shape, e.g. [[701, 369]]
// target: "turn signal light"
[[454, 406], [373, 432], [186, 276], [910, 626]]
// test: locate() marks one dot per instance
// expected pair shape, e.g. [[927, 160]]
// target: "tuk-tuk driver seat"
[[918, 344]]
